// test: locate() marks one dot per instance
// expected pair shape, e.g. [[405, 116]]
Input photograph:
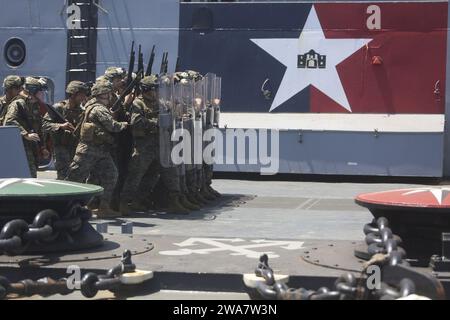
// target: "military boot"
[[198, 196], [187, 204], [175, 206], [207, 195], [213, 191], [191, 197], [124, 208], [105, 211], [139, 206]]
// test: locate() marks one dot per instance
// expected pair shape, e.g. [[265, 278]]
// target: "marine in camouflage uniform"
[[24, 113], [143, 169], [123, 142], [12, 85], [94, 150], [64, 140], [116, 76]]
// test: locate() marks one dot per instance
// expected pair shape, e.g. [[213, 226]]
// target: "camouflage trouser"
[[122, 151], [182, 178], [93, 176], [171, 179], [92, 157], [63, 159], [199, 174], [31, 158], [208, 174], [191, 180], [142, 170]]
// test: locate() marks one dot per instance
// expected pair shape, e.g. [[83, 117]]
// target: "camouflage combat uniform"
[[25, 114], [93, 151], [4, 103], [65, 142], [8, 82], [143, 167], [122, 147], [3, 106]]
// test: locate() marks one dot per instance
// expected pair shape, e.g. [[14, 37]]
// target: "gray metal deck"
[[266, 209], [209, 250]]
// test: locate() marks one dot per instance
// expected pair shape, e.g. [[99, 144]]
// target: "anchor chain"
[[381, 240], [17, 235], [384, 248], [89, 285], [346, 287]]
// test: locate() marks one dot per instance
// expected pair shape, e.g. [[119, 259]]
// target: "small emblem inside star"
[[311, 60]]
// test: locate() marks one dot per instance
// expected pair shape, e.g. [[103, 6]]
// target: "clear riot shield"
[[199, 107], [199, 97], [166, 119], [216, 100], [210, 79], [187, 103], [178, 120], [187, 97], [177, 99]]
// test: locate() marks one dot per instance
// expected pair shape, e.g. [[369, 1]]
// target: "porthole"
[[14, 52]]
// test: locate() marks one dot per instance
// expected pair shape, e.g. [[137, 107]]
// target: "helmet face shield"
[[147, 88], [33, 89], [33, 85], [43, 87], [149, 84]]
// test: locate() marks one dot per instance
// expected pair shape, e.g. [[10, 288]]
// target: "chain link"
[[383, 247], [17, 235], [381, 240], [89, 285]]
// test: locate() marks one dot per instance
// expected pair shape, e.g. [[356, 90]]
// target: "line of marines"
[[127, 152]]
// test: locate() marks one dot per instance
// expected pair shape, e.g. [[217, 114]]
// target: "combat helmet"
[[178, 76], [101, 87], [194, 75], [149, 82], [77, 86], [115, 72], [12, 81], [33, 85], [101, 78]]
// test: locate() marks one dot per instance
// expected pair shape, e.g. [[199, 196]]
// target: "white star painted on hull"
[[296, 79], [439, 193]]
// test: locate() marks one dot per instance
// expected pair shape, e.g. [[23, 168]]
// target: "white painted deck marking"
[[221, 245]]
